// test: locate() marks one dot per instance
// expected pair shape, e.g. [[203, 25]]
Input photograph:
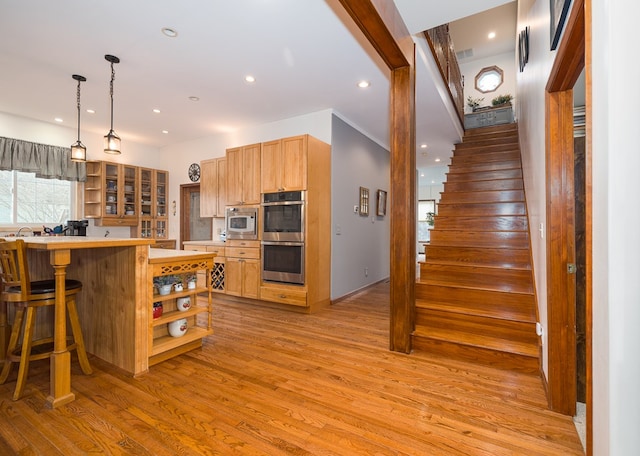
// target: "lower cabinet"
[[242, 268], [179, 319], [284, 294]]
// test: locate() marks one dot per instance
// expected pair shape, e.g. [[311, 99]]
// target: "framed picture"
[[382, 203], [364, 201], [559, 10], [523, 48]]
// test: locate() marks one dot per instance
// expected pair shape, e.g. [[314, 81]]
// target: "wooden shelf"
[[177, 315], [166, 343], [178, 294]]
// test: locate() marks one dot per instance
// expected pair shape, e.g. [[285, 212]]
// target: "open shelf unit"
[[199, 325]]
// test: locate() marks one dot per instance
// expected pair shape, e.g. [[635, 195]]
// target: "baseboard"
[[359, 290]]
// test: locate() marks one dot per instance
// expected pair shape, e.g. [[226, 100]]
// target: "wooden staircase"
[[475, 298]]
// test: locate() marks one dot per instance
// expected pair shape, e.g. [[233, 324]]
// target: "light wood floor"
[[279, 383]]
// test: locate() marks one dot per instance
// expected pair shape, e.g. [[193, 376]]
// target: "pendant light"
[[111, 140], [78, 151]]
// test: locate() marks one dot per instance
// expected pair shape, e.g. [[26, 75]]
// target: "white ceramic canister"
[[183, 303], [178, 328]]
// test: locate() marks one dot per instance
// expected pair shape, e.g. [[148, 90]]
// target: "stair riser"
[[498, 360], [515, 173], [514, 331], [482, 197], [472, 186], [471, 209], [485, 157], [507, 280], [460, 166], [485, 142], [459, 151], [491, 130], [482, 223], [511, 306], [505, 258], [500, 240]]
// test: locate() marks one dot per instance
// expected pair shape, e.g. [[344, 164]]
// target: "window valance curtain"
[[48, 162]]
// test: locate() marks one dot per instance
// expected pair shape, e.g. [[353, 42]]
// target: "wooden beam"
[[382, 25]]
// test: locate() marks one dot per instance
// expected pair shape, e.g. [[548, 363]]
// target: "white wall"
[[616, 239], [177, 158], [362, 242], [469, 70]]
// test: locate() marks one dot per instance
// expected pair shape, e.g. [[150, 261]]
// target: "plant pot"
[[164, 289], [177, 287], [191, 285], [157, 309]]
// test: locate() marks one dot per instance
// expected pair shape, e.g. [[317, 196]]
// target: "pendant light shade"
[[111, 140], [78, 151]]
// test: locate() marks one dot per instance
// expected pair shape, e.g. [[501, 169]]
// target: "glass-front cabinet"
[[111, 193], [153, 204]]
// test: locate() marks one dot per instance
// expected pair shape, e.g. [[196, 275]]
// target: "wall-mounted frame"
[[523, 48], [559, 10], [381, 206], [364, 201]]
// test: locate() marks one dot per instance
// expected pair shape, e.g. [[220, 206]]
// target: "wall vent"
[[464, 54]]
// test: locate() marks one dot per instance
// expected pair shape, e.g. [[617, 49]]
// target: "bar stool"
[[27, 297]]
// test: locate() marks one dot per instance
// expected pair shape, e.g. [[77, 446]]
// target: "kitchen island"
[[114, 306]]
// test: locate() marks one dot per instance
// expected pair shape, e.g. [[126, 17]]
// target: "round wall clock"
[[194, 172]]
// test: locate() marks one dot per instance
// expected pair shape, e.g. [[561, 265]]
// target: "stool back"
[[14, 271]]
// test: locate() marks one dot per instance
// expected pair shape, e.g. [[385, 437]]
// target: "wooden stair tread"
[[476, 264], [479, 340], [482, 222]]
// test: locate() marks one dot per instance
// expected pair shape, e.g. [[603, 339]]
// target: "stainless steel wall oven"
[[283, 216], [283, 262]]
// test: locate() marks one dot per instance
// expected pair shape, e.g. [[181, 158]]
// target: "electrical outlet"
[[541, 229], [366, 272], [338, 230], [355, 209]]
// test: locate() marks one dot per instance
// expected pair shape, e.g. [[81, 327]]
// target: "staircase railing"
[[442, 48]]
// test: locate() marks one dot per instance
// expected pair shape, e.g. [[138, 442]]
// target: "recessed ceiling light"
[[421, 174], [492, 35], [437, 160], [249, 79], [157, 111], [194, 98], [166, 132], [58, 119], [171, 33], [433, 182], [91, 111], [423, 146], [364, 84]]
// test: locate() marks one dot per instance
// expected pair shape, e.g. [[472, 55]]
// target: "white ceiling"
[[306, 56]]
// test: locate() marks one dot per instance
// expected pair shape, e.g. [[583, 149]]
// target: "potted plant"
[[502, 100], [164, 283], [191, 280], [430, 218], [474, 103]]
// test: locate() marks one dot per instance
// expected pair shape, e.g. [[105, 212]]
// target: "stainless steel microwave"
[[242, 222]]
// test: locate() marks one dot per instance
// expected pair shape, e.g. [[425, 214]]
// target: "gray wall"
[[359, 245]]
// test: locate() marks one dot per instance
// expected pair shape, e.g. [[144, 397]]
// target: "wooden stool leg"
[[13, 343], [77, 336], [23, 370]]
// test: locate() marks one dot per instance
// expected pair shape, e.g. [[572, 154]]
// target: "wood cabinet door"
[[251, 174], [234, 176], [294, 163], [251, 278], [233, 276], [209, 188], [270, 166], [222, 187]]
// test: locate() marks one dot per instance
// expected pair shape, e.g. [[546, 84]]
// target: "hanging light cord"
[[78, 101], [113, 76]]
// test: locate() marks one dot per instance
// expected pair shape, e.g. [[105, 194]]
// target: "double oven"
[[282, 233]]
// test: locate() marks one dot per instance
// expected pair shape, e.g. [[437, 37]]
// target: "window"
[[25, 198], [489, 79], [426, 211]]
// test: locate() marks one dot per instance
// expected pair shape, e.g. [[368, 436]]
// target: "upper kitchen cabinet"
[[284, 164], [213, 187], [111, 194], [243, 175], [153, 204]]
